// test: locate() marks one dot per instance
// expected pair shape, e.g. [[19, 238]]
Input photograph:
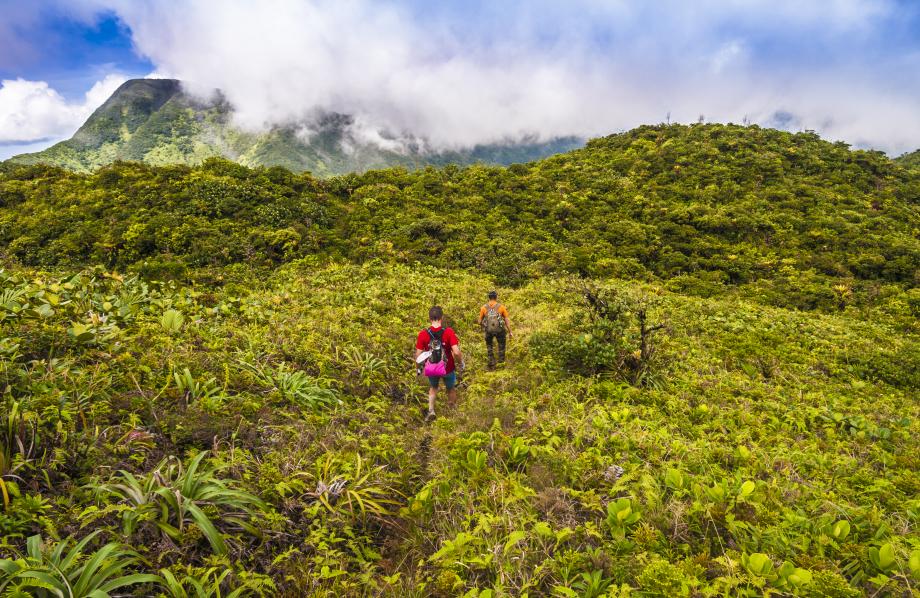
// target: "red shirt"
[[449, 339]]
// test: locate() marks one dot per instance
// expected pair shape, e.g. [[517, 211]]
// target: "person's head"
[[493, 295], [435, 314]]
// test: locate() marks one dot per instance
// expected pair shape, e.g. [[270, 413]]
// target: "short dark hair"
[[435, 313], [493, 294]]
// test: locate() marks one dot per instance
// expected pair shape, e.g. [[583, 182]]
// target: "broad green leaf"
[[542, 529], [883, 557], [747, 489], [914, 562], [759, 564], [886, 558], [841, 529], [513, 539], [800, 577], [172, 320], [674, 479]]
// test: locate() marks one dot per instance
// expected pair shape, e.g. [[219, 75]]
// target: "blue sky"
[[473, 71], [71, 54]]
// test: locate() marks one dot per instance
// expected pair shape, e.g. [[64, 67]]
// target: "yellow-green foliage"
[[208, 386], [766, 451], [782, 219]]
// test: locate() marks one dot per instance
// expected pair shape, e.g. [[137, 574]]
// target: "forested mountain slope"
[[156, 122], [790, 218]]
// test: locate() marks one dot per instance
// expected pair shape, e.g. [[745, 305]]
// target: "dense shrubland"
[[267, 436], [789, 220], [910, 160], [212, 393]]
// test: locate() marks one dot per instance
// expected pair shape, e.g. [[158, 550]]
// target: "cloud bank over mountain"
[[460, 73]]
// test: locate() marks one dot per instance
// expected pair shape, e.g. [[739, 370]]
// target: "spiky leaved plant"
[[353, 492], [69, 570], [176, 496]]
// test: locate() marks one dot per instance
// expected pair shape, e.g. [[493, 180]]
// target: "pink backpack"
[[436, 366]]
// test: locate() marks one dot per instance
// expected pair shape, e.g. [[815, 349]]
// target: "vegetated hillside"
[[208, 385], [156, 122], [787, 220], [910, 160], [265, 435]]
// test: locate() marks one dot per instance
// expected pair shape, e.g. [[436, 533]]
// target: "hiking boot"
[[430, 417]]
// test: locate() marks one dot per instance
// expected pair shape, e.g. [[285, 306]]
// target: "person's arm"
[[507, 320], [458, 356], [454, 344]]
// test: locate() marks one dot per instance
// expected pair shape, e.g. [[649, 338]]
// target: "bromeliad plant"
[[175, 497], [365, 371], [208, 585], [295, 386], [72, 571], [213, 582], [518, 453], [348, 489], [192, 389]]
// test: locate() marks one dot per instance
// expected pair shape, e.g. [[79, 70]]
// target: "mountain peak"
[[128, 108], [147, 86], [155, 121]]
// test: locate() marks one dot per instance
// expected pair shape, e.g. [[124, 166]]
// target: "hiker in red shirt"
[[436, 349]]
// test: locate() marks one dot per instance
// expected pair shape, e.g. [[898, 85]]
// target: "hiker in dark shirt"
[[496, 325]]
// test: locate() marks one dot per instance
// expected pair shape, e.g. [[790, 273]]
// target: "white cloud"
[[460, 73], [101, 91], [726, 56], [31, 111]]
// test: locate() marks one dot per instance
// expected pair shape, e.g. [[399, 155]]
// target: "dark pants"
[[500, 337]]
